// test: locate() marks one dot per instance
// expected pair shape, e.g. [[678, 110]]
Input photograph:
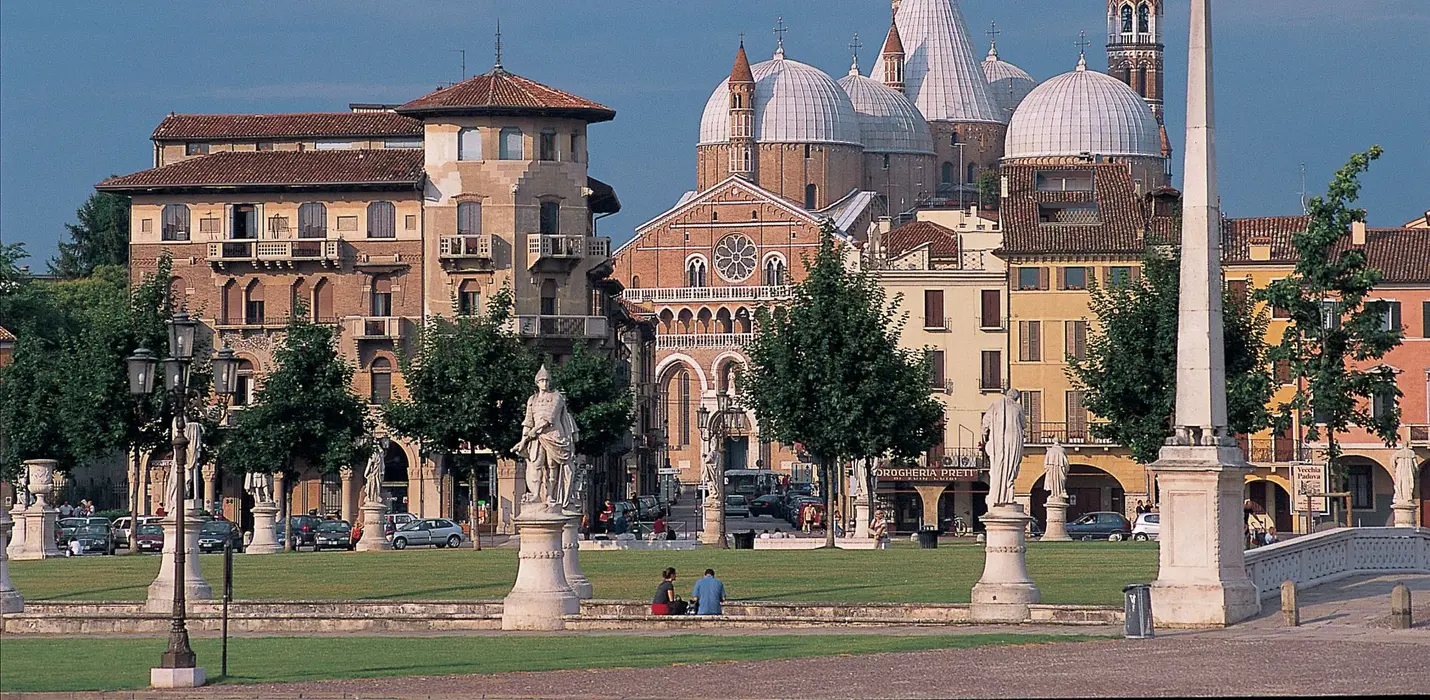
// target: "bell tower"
[[892, 59], [742, 116], [1134, 47]]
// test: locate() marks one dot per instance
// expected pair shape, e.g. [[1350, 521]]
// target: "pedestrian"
[[619, 527], [708, 594], [606, 517], [66, 510], [1142, 507], [657, 528], [664, 593]]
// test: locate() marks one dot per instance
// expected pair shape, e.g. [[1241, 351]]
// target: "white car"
[[1147, 527], [121, 528]]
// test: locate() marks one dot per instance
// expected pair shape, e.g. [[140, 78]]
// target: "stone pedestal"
[[571, 562], [541, 595], [161, 591], [39, 531], [1004, 591], [1057, 525], [176, 677], [373, 539], [265, 535], [17, 535], [712, 526], [347, 475], [10, 599], [210, 474], [861, 520], [1403, 515], [1201, 574]]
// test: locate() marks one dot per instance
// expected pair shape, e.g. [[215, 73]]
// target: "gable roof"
[[1238, 234], [1401, 254], [500, 92], [695, 198], [177, 127], [1121, 219], [394, 168], [941, 240]]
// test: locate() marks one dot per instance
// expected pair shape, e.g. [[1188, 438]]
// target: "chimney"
[[1357, 233], [1260, 247]]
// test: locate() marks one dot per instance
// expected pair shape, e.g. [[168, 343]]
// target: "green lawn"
[[78, 664], [1067, 572]]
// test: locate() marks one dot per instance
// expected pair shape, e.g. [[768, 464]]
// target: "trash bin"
[[1137, 606], [744, 540], [928, 539]]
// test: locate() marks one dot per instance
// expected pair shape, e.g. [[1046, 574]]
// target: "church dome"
[[1083, 112], [888, 121], [794, 103], [1007, 83]]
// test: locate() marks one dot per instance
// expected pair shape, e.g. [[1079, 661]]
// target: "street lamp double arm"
[[142, 366]]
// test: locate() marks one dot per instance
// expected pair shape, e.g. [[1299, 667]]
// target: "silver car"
[[438, 532]]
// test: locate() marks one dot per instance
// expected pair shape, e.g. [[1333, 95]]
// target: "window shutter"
[[937, 376], [1022, 341], [933, 308], [1042, 278], [992, 308], [1425, 319], [1033, 410], [1035, 341], [1076, 413], [1237, 288], [1136, 274], [1282, 370], [1062, 278], [988, 376], [1106, 276], [1395, 315], [1079, 349]]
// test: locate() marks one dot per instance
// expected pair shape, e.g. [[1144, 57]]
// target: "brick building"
[[375, 219]]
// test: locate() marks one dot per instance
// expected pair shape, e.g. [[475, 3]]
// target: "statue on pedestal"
[[22, 487], [573, 486], [260, 486], [372, 476], [1003, 429], [1406, 464], [1055, 472], [548, 443], [710, 472]]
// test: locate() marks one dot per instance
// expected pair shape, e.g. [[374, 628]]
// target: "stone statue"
[[372, 475], [1003, 428], [1055, 471], [573, 486], [172, 494], [1406, 464], [548, 442], [22, 486], [860, 491], [710, 472], [259, 485]]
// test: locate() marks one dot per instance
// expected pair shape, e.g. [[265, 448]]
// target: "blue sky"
[[82, 85]]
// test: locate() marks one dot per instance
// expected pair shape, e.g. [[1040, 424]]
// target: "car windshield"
[[98, 530], [334, 526], [411, 526], [735, 500], [215, 527], [71, 522], [1087, 519], [150, 530]]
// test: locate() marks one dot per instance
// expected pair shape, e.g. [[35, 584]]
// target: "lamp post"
[[714, 427], [176, 664]]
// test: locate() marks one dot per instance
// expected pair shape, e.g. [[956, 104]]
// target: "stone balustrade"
[[1336, 554], [675, 295]]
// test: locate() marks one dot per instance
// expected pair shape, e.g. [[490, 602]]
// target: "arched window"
[[775, 271], [972, 172], [232, 303], [469, 144], [742, 321], [178, 292], [1126, 19], [469, 218], [947, 174], [253, 303], [469, 298], [176, 222], [298, 300], [548, 298], [683, 381], [381, 220], [323, 302], [381, 295], [695, 272], [635, 281], [685, 322], [511, 144], [244, 389], [809, 196], [381, 373], [723, 322], [1144, 19], [312, 220]]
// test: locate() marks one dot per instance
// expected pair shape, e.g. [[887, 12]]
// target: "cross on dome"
[[993, 33], [1082, 43], [779, 31], [854, 47]]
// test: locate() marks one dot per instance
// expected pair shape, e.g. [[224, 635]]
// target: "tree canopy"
[[1129, 373], [99, 238], [598, 397]]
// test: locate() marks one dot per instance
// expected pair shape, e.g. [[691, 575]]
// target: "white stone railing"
[[1335, 554], [703, 340], [667, 295]]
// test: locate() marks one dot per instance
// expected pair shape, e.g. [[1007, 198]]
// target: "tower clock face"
[[735, 257]]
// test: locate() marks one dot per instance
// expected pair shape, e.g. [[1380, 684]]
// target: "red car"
[[150, 538]]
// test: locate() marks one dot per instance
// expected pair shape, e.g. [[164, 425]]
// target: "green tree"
[[101, 237], [826, 371], [305, 411], [599, 398], [1333, 332], [990, 188], [1129, 373], [467, 385]]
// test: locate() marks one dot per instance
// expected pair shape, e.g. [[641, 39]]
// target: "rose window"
[[735, 257]]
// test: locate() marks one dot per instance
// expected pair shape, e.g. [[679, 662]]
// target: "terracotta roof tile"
[[506, 93], [893, 43], [1118, 227], [1238, 234], [259, 126], [942, 241], [1401, 254], [741, 72], [280, 169], [5, 334]]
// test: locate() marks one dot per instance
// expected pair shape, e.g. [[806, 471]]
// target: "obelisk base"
[[39, 531], [1201, 576], [1057, 526], [1403, 514], [1004, 592], [265, 535], [541, 595], [373, 539], [571, 560], [161, 591]]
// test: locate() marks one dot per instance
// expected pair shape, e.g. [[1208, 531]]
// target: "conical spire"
[[741, 73], [941, 72], [893, 43]]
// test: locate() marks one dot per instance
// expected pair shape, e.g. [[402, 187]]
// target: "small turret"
[[893, 59], [742, 116]]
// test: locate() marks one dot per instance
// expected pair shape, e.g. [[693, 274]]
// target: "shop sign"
[[925, 474], [1308, 479]]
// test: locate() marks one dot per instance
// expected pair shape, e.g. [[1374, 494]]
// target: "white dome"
[[1083, 112], [1007, 83], [888, 121], [794, 103]]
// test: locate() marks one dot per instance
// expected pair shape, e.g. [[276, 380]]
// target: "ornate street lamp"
[[702, 421], [142, 365], [181, 335], [225, 367]]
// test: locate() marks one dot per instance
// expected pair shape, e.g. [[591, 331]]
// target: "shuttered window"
[[1075, 339], [312, 220], [1425, 319], [991, 376], [933, 309], [936, 374], [1033, 410], [1237, 289], [1030, 341], [469, 144], [381, 220], [469, 218], [1076, 414], [1392, 316], [1282, 371], [991, 308]]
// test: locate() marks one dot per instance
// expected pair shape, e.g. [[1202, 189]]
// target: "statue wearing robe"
[[1406, 464], [1003, 427], [1055, 471], [259, 486], [548, 443], [372, 476]]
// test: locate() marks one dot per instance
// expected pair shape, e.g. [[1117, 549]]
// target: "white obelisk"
[[1201, 577]]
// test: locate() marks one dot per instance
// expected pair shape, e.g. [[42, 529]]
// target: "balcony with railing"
[[703, 340], [275, 253], [561, 326], [678, 295], [1074, 433], [543, 248], [465, 247], [374, 327]]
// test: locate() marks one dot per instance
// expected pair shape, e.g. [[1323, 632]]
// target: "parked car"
[[150, 538], [737, 506], [334, 534], [122, 525], [649, 507], [767, 505], [628, 508], [214, 533], [65, 529], [438, 532], [392, 521], [305, 527], [1102, 525], [1147, 527], [94, 537]]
